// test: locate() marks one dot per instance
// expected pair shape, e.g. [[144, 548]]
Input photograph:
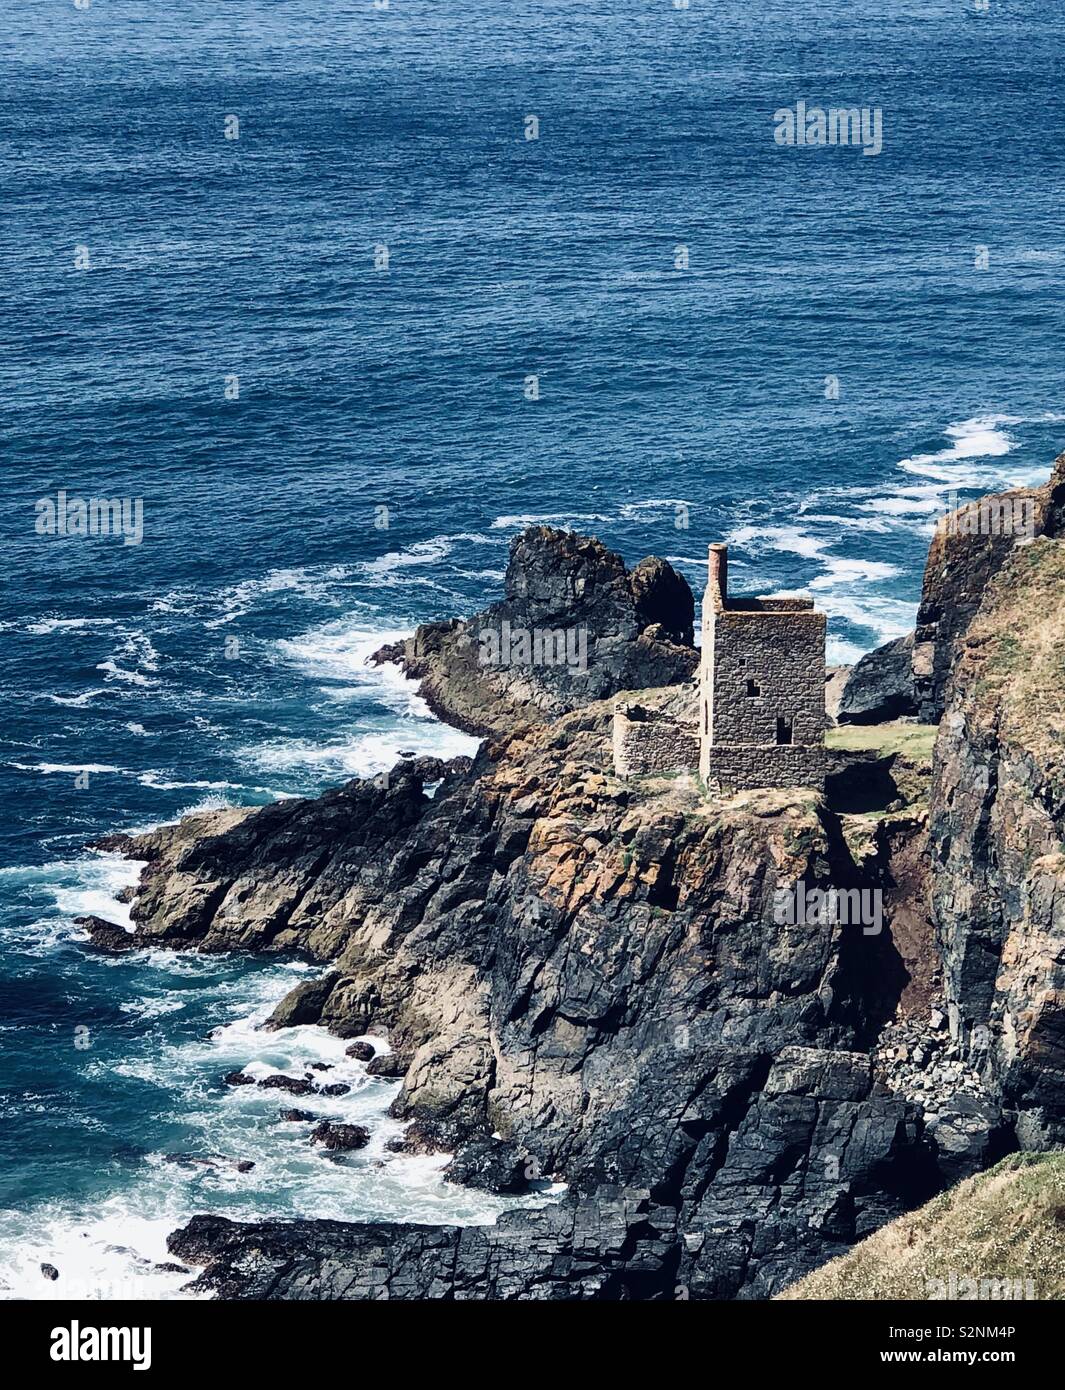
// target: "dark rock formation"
[[390, 1065], [624, 631], [594, 973], [615, 1246], [106, 936], [238, 1078], [50, 1271], [187, 1160], [361, 1051], [592, 977], [494, 1165], [295, 1086], [302, 1005], [340, 1138], [295, 1116], [880, 686]]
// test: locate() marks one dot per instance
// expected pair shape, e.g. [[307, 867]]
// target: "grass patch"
[[1005, 1224], [913, 741]]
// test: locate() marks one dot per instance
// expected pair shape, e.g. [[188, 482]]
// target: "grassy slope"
[[1007, 1223]]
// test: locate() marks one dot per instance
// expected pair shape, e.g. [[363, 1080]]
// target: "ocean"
[[296, 279]]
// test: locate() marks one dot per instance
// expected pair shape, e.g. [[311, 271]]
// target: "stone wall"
[[648, 742], [768, 664], [768, 765]]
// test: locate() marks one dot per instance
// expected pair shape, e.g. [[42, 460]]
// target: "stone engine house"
[[761, 688], [760, 719]]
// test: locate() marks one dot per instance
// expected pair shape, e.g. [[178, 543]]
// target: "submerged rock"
[[295, 1086]]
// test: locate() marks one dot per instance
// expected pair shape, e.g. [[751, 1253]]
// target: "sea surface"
[[308, 354]]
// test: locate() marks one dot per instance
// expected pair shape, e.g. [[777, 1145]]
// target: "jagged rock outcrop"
[[614, 1246], [104, 936], [594, 973], [574, 626], [969, 547], [588, 980], [880, 686], [997, 827]]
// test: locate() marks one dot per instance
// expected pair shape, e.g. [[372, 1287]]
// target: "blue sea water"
[[682, 399]]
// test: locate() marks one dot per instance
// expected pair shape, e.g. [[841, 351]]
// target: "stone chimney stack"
[[718, 576]]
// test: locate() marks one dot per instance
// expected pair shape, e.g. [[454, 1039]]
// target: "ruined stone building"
[[760, 717], [761, 688]]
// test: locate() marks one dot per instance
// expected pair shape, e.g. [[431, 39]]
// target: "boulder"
[[304, 1004], [107, 936], [390, 1065], [880, 686], [295, 1086], [493, 1165], [340, 1138]]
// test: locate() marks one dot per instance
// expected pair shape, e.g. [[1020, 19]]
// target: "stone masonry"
[[648, 741], [761, 688], [761, 704]]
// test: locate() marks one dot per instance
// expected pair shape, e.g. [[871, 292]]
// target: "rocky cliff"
[[586, 981], [589, 980], [996, 833]]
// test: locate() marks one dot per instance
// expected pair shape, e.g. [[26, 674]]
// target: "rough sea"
[[340, 360]]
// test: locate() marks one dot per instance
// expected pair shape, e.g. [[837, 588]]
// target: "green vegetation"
[[1005, 1224], [913, 741]]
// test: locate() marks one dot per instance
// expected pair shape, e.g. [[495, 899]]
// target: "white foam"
[[113, 671], [364, 755], [48, 769], [239, 599], [520, 521], [76, 701], [853, 571], [338, 651], [43, 627], [109, 1250], [420, 553], [789, 539]]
